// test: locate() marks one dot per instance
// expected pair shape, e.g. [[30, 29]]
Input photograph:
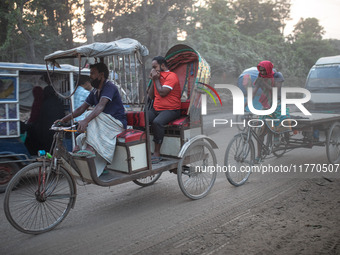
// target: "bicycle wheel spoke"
[[193, 174], [54, 211], [32, 216], [39, 204]]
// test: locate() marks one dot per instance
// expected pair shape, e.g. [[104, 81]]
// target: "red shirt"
[[171, 101]]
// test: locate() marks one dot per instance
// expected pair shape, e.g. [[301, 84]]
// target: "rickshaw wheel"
[[333, 143], [36, 202], [196, 171], [7, 171], [147, 181]]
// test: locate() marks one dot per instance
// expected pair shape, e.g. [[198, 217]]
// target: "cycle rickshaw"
[[41, 195], [320, 129]]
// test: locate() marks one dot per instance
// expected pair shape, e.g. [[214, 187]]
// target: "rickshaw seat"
[[182, 121], [131, 135], [135, 119]]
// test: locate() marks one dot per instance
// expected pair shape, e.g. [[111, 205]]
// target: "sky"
[[326, 11]]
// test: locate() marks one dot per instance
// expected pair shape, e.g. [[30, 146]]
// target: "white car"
[[323, 81]]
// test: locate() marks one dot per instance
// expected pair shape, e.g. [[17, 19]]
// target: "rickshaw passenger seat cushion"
[[135, 119], [182, 121], [131, 135]]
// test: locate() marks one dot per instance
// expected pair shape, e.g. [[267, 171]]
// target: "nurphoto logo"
[[238, 100]]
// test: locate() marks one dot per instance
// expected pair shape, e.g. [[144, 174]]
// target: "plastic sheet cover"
[[123, 46]]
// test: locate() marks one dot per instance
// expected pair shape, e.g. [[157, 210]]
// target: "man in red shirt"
[[166, 93]]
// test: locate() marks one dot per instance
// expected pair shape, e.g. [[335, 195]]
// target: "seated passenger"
[[166, 93], [82, 93], [103, 123]]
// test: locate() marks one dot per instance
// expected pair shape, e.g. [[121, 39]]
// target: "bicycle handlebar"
[[60, 126]]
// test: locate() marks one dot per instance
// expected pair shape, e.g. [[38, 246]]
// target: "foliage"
[[154, 23], [34, 28], [255, 16], [231, 34], [308, 29], [309, 50], [213, 33], [307, 44], [227, 50]]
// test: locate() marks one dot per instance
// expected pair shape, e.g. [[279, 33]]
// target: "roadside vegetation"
[[231, 34]]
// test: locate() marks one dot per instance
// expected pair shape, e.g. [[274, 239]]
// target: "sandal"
[[155, 159], [84, 153], [257, 160]]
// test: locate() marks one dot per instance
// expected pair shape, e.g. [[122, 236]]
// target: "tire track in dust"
[[224, 214]]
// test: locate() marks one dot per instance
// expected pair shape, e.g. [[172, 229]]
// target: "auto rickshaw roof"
[[34, 68], [123, 46]]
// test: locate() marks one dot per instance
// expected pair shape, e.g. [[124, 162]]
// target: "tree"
[[308, 50], [255, 16], [107, 12], [307, 44], [4, 7], [212, 31], [162, 20], [89, 21], [230, 34], [335, 45], [214, 34], [35, 28], [17, 11], [308, 29], [152, 22]]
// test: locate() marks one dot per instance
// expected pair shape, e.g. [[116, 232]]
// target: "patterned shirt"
[[79, 98]]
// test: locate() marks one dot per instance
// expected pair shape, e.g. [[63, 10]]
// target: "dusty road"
[[270, 214]]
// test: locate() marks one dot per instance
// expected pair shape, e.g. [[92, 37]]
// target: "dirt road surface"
[[277, 213]]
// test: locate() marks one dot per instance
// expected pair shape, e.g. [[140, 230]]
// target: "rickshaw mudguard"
[[75, 191], [194, 139]]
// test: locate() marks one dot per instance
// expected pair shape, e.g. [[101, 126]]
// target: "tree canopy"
[[309, 29], [255, 16], [231, 34]]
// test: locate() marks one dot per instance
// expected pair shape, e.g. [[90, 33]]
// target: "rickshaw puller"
[[103, 123]]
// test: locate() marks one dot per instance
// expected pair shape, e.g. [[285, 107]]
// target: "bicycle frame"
[[59, 151], [266, 147]]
